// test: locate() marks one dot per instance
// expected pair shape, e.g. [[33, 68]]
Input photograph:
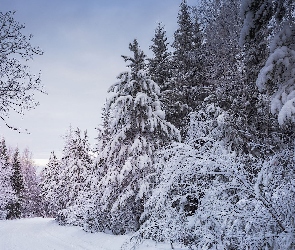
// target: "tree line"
[[19, 185]]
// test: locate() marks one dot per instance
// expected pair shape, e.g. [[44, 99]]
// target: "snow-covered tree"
[[31, 205], [49, 186], [206, 199], [185, 90], [184, 43], [6, 191], [15, 207], [77, 168], [137, 128], [19, 196], [277, 75], [160, 65], [265, 220], [184, 172], [230, 72]]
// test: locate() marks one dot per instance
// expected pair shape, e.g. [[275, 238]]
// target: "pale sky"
[[82, 42]]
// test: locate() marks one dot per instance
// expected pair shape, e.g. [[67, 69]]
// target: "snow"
[[46, 234], [287, 112]]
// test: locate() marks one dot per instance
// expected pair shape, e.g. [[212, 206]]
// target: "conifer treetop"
[[138, 59]]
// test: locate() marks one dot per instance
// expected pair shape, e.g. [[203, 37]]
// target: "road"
[[46, 234]]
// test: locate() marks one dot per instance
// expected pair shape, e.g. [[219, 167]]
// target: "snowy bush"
[[72, 215], [186, 172], [206, 199]]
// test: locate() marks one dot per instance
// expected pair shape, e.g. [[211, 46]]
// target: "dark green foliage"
[[16, 178], [159, 66], [137, 62], [4, 153], [184, 43], [14, 208], [6, 192], [185, 91]]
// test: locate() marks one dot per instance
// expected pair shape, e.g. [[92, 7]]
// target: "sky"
[[82, 42]]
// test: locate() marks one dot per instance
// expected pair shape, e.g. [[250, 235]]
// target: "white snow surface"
[[46, 234]]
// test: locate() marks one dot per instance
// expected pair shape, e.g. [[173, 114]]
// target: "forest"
[[196, 146]]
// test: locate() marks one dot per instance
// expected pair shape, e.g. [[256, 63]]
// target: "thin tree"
[[18, 84]]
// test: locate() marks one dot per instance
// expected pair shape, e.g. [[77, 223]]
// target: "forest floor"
[[46, 234]]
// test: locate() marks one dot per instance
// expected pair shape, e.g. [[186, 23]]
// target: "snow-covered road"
[[46, 234]]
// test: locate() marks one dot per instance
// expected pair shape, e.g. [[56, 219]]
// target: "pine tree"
[[185, 171], [277, 77], [15, 207], [184, 44], [65, 184], [31, 193], [253, 38], [75, 173], [49, 186], [159, 65], [137, 128], [228, 71], [6, 191], [62, 197], [186, 88]]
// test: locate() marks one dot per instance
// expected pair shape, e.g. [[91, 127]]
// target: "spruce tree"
[[65, 183], [277, 77], [62, 181], [258, 129], [15, 207], [186, 88], [159, 65], [31, 193], [77, 168], [49, 186], [6, 191], [184, 44], [137, 128]]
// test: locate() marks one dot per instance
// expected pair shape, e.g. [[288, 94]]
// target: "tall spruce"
[[187, 83], [31, 206], [6, 191], [184, 44], [49, 186], [159, 65], [17, 183], [70, 172], [255, 106], [74, 174], [137, 128]]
